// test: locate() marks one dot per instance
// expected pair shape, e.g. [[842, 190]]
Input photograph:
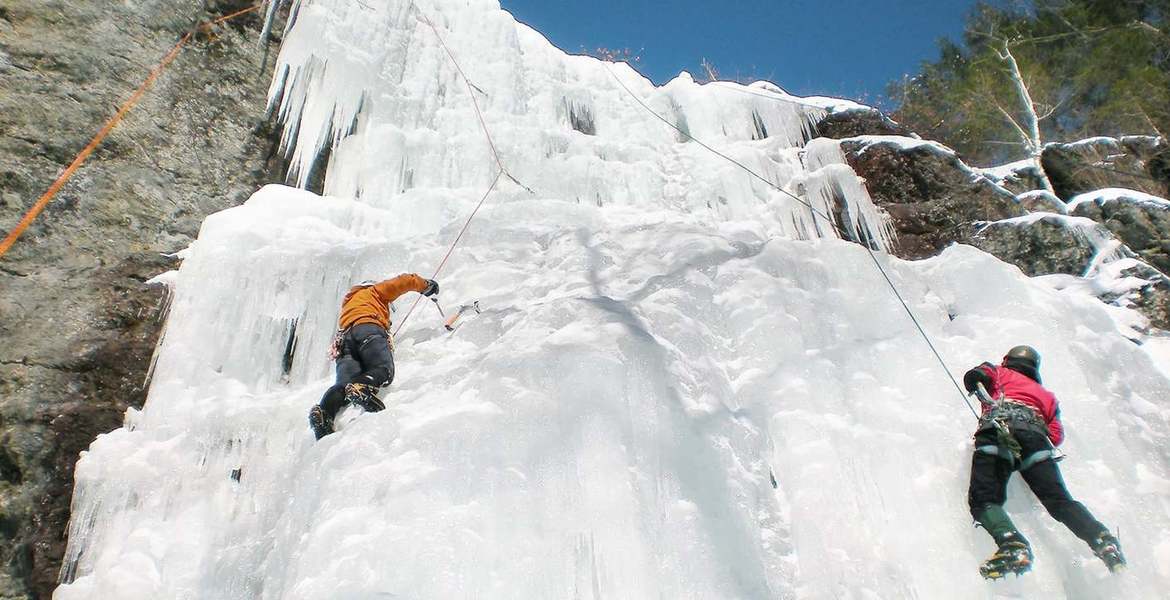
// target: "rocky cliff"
[[1099, 225], [77, 324]]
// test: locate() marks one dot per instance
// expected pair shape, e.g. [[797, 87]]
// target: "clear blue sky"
[[848, 48]]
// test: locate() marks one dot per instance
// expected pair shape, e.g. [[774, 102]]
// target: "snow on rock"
[[1105, 247], [902, 143], [1042, 201], [1140, 220], [933, 198], [1022, 177], [682, 384], [1000, 173], [1118, 195]]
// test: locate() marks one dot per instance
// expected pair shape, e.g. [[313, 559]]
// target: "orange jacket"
[[371, 304]]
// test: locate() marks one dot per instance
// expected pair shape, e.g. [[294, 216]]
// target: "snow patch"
[[1107, 195]]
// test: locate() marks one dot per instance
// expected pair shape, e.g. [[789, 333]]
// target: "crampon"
[[1010, 558], [1108, 549]]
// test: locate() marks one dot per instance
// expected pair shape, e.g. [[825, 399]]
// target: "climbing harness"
[[337, 344], [1005, 414], [89, 149]]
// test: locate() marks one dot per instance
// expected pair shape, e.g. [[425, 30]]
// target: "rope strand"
[[872, 253], [500, 173], [451, 249], [41, 203]]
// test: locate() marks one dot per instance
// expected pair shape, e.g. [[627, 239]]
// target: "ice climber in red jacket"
[[1019, 431]]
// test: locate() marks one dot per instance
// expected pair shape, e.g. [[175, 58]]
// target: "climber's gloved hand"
[[974, 377], [432, 288]]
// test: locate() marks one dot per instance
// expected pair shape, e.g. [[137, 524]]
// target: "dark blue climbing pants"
[[365, 358], [990, 474]]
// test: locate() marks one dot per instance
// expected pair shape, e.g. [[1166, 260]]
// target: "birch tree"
[[1046, 70]]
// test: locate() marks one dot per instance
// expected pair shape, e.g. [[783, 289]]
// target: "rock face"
[[931, 196], [1137, 162], [1153, 300], [934, 199], [1143, 223], [1041, 246], [1047, 244], [1042, 201], [77, 322], [859, 122]]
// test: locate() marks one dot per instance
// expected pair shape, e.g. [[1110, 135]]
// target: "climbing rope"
[[89, 149], [470, 88], [451, 249], [816, 212], [501, 172]]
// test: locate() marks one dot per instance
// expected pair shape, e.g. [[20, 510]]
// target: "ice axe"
[[450, 324], [435, 299]]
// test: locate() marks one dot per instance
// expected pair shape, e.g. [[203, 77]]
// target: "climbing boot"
[[321, 424], [365, 396], [1108, 549], [1013, 556]]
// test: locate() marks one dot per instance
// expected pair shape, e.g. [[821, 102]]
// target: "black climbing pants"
[[365, 358], [990, 474]]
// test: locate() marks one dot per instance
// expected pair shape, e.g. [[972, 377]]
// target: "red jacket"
[[1022, 389]]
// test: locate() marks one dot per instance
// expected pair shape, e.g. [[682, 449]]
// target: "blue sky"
[[848, 48]]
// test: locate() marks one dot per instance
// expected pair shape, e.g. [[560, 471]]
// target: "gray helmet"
[[1024, 354]]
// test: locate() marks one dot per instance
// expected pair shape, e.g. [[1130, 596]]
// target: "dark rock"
[[78, 323], [1153, 301], [933, 199], [1040, 244], [1023, 179], [858, 122], [1039, 201], [1141, 223], [1138, 162], [1047, 244]]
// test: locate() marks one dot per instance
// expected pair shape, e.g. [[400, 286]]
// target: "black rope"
[[917, 324], [692, 138], [872, 254], [766, 181]]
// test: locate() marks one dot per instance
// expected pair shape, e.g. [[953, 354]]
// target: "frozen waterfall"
[[683, 385]]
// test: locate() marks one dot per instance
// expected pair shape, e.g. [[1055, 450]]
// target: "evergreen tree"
[[1044, 70]]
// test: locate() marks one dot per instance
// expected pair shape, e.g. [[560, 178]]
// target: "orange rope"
[[231, 16], [44, 200], [451, 249]]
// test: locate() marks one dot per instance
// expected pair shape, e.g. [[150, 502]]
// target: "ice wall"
[[677, 389], [373, 82]]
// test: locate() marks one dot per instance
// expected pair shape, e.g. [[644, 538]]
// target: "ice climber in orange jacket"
[[362, 347]]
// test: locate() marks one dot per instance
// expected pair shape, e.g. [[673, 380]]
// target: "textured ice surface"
[[676, 389], [372, 81]]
